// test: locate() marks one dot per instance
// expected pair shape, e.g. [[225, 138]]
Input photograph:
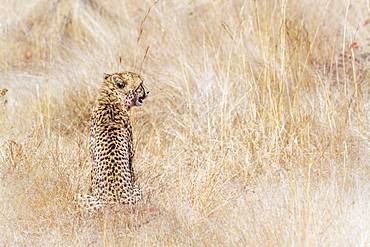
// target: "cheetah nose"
[[146, 91]]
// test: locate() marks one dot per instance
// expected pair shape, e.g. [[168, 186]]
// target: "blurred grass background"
[[256, 131]]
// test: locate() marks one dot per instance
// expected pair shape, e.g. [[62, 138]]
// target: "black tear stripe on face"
[[144, 93]]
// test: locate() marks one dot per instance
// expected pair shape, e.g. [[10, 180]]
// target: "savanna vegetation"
[[255, 132]]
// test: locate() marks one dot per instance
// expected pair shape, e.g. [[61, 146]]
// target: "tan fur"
[[111, 145]]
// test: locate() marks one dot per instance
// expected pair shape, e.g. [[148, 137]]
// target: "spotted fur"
[[111, 145]]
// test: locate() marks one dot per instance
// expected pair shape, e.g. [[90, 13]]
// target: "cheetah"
[[111, 145], [3, 101]]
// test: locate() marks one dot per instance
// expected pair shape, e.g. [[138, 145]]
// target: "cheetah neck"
[[111, 108]]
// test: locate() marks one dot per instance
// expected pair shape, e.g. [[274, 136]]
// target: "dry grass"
[[256, 131]]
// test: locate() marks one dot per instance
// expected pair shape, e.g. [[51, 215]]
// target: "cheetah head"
[[3, 91], [128, 87]]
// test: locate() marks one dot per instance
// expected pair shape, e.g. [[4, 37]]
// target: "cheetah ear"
[[106, 76], [118, 82]]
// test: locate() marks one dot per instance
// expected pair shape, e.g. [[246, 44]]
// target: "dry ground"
[[256, 131]]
